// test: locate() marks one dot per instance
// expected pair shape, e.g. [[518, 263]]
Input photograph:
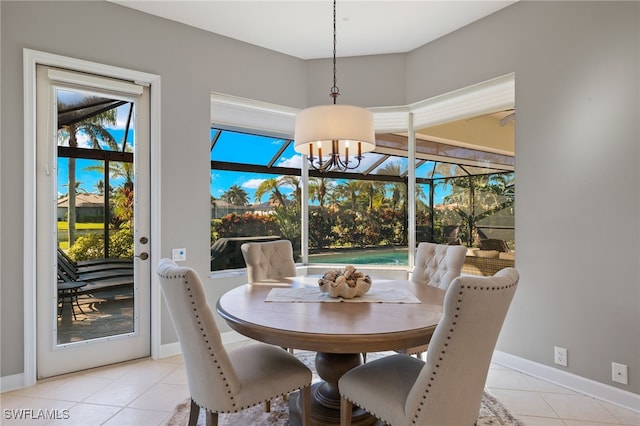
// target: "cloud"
[[122, 116], [294, 162], [253, 183], [83, 140]]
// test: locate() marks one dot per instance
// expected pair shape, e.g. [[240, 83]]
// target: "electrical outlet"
[[560, 356], [179, 254], [619, 373]]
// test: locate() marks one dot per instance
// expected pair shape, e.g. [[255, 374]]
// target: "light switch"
[[179, 254]]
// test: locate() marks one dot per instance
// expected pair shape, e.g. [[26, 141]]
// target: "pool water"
[[393, 256]]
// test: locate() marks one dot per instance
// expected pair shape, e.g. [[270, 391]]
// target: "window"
[[355, 217], [364, 216], [255, 194]]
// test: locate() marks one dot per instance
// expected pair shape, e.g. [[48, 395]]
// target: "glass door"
[[93, 275]]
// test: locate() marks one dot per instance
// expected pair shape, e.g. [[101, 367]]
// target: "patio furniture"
[[447, 388], [494, 244], [476, 263], [94, 284], [69, 268], [221, 381], [68, 292], [95, 264], [226, 254]]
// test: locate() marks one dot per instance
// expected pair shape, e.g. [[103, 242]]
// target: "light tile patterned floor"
[[144, 392], [537, 402]]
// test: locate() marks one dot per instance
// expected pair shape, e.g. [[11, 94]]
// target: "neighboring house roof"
[[83, 200]]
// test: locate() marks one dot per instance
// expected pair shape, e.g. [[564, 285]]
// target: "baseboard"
[[170, 349], [12, 382], [610, 394]]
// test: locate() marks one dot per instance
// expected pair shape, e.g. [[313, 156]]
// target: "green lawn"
[[64, 226], [83, 228]]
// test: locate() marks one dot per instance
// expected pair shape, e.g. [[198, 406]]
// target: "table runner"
[[313, 294]]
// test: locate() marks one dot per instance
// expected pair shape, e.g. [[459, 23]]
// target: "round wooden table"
[[338, 331]]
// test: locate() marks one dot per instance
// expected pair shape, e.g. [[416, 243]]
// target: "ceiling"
[[304, 28]]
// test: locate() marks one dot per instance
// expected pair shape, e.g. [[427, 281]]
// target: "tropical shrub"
[[246, 224]]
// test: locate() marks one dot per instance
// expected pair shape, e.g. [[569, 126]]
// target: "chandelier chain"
[[335, 92], [324, 133]]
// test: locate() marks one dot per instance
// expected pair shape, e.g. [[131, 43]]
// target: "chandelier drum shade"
[[321, 129], [341, 132]]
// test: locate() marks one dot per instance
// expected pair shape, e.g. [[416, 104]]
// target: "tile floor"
[[144, 392]]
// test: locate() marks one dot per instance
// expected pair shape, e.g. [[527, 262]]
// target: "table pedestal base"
[[325, 397]]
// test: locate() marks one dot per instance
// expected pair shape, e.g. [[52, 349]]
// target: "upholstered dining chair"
[[446, 390], [268, 260], [222, 381], [436, 265]]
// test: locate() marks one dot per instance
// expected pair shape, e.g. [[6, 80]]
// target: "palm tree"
[[236, 195], [478, 197], [94, 128], [270, 185], [350, 189], [374, 191], [398, 189], [318, 189], [294, 181]]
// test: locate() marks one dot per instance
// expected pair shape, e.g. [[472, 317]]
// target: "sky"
[[257, 150], [262, 149], [229, 146], [89, 179]]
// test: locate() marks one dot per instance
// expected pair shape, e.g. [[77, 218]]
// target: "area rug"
[[492, 412]]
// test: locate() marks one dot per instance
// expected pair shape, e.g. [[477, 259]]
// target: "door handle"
[[143, 255]]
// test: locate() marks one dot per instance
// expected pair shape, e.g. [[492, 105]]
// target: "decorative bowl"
[[347, 283]]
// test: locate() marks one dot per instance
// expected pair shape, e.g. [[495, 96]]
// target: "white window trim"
[[235, 113]]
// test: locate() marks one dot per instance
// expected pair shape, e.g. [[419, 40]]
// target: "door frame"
[[31, 58]]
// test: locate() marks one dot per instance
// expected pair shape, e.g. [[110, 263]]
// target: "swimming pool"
[[386, 256]]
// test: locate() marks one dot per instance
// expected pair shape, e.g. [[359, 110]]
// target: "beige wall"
[[577, 159]]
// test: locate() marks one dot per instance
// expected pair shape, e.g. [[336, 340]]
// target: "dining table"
[[294, 313]]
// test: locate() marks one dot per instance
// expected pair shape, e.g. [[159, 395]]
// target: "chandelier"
[[334, 137]]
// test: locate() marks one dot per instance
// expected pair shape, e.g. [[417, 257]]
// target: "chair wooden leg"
[[345, 411], [211, 419], [306, 405], [194, 412], [267, 406]]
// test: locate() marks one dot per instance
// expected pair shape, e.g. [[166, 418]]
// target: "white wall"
[[576, 73], [577, 95]]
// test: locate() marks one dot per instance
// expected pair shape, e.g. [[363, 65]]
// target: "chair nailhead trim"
[[206, 340], [451, 330]]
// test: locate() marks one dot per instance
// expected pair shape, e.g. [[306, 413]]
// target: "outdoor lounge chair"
[[95, 283], [95, 265], [94, 273]]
